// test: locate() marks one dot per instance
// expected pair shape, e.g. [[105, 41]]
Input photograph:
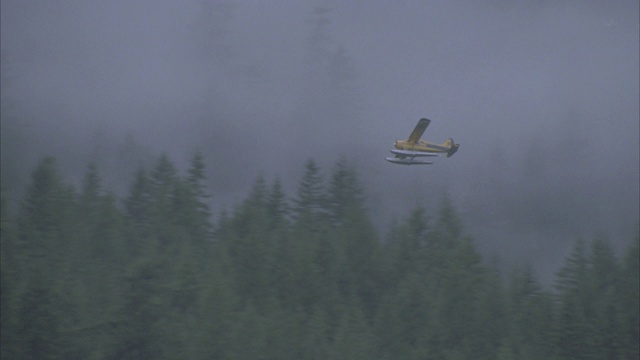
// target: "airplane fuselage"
[[423, 146], [448, 147]]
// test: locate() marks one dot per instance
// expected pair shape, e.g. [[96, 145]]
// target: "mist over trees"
[[345, 255], [544, 104], [86, 274]]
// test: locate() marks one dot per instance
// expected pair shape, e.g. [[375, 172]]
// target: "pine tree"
[[403, 321], [574, 338], [196, 179], [629, 302], [91, 188], [251, 247], [489, 318], [101, 221], [218, 306], [164, 190], [530, 317], [315, 344], [183, 285], [153, 209], [310, 198], [457, 279], [139, 214], [406, 246], [38, 332], [250, 335], [100, 255], [353, 338], [139, 328], [8, 280], [603, 275], [354, 236], [195, 209], [277, 207], [45, 223], [345, 193]]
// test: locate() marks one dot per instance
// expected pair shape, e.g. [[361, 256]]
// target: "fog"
[[541, 95]]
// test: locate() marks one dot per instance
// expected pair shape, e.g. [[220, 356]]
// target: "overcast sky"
[[261, 86]]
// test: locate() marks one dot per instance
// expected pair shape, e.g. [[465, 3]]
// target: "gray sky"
[[541, 95]]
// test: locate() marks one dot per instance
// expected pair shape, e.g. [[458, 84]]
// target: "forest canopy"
[[88, 275]]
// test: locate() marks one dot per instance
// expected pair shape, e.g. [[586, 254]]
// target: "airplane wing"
[[418, 130]]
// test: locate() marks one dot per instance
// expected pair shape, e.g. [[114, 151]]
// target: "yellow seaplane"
[[407, 150]]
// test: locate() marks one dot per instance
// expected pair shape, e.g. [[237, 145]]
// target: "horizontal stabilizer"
[[410, 153], [406, 161]]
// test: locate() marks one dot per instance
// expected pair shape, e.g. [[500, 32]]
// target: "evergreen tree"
[[138, 206], [102, 222], [183, 285], [8, 280], [309, 268], [218, 306], [250, 335], [573, 273], [196, 178], [530, 317], [49, 240], [601, 301], [447, 231], [574, 334], [406, 246], [353, 235], [194, 206], [277, 207], [99, 256], [318, 286], [315, 344], [353, 337], [164, 190], [457, 285], [139, 329], [489, 318], [313, 254], [251, 247], [46, 215], [310, 198], [155, 209], [404, 320], [139, 199], [629, 302], [91, 188], [38, 333], [457, 278], [345, 193]]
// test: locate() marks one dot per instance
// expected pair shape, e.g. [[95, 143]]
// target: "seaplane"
[[406, 151]]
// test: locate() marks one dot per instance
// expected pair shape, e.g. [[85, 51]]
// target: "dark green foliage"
[[8, 279], [190, 204], [46, 222], [277, 207], [344, 194], [83, 278], [139, 327], [629, 302], [530, 333], [310, 198], [37, 333]]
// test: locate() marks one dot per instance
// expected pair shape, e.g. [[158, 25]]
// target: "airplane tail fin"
[[453, 147]]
